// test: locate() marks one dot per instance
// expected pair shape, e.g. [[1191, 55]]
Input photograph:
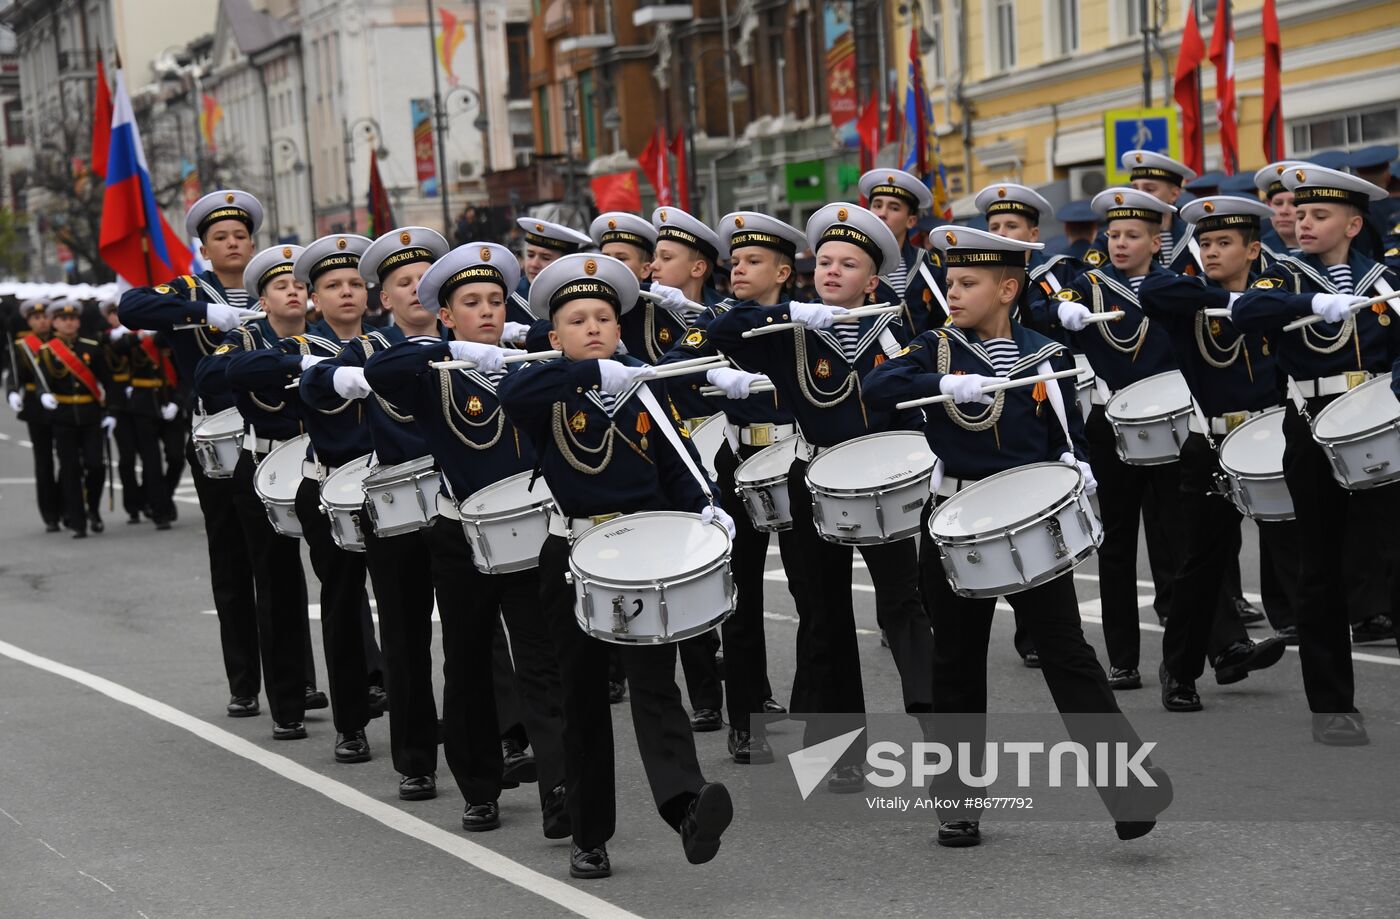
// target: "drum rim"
[[1157, 377], [499, 483], [210, 419], [1072, 563], [721, 560], [866, 492], [1020, 524], [542, 507], [789, 441], [345, 470], [1376, 382], [409, 471], [910, 479], [672, 638]]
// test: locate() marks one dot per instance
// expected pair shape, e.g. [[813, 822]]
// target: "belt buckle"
[[1234, 420], [599, 519], [1355, 378], [760, 435]]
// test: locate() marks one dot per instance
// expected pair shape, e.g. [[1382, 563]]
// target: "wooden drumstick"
[[1374, 301], [995, 387], [875, 309]]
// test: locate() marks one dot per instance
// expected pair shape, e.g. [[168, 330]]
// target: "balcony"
[[77, 62]]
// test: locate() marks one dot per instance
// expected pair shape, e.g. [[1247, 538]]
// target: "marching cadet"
[[852, 247], [1280, 238], [544, 242], [25, 389], [224, 221], [119, 363], [75, 379], [1163, 178], [916, 279], [1323, 361], [1232, 377], [976, 436], [1122, 352], [572, 409], [461, 421]]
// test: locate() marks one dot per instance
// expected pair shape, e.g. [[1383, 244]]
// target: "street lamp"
[[348, 130]]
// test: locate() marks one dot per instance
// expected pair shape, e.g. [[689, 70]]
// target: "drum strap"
[[1057, 401], [663, 421], [933, 285], [1201, 419]]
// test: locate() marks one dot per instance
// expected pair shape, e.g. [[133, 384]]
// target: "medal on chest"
[[474, 406], [643, 427], [578, 422], [823, 369]]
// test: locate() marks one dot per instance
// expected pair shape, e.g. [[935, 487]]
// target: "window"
[[1003, 35], [518, 59], [1371, 126], [1064, 26], [936, 65], [1130, 14], [587, 101], [14, 123], [546, 141]]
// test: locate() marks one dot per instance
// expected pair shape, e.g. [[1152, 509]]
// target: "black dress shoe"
[[706, 719], [845, 780], [162, 524], [616, 693], [555, 814], [1124, 678], [1178, 695], [1340, 730], [352, 747], [1133, 829], [771, 707], [1239, 659], [747, 749], [95, 523], [705, 821], [478, 818], [132, 519], [517, 764], [586, 864], [315, 699], [52, 526], [80, 534], [1143, 803], [417, 787], [1248, 612], [243, 707], [292, 730], [1377, 628], [959, 834], [1289, 634], [1031, 659], [378, 701]]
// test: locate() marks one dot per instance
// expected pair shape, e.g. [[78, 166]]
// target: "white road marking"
[[4, 436], [11, 816], [51, 848], [98, 880], [474, 854], [26, 444]]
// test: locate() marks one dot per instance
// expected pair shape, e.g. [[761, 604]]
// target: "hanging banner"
[[423, 159], [840, 41]]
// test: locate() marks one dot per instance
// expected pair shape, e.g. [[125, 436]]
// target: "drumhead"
[[507, 495], [647, 547], [1153, 397], [1367, 406], [1004, 500], [768, 463], [871, 462], [397, 473], [346, 486], [1255, 447], [279, 474], [220, 424]]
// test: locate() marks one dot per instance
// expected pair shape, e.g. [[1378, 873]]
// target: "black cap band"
[[1133, 213], [743, 238], [1274, 188], [332, 262], [1213, 222], [1157, 172], [845, 233], [984, 258], [225, 213], [1321, 194], [276, 270], [626, 236], [403, 257], [895, 191], [689, 239], [549, 242], [584, 289], [1015, 207], [476, 274]]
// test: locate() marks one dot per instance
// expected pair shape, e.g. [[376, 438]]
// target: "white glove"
[[967, 387], [350, 383], [147, 333], [616, 376], [109, 424], [815, 315], [487, 358], [225, 317], [1334, 307], [1091, 484], [117, 333], [129, 391], [672, 298], [716, 514], [48, 400], [1073, 315], [16, 402], [515, 332], [168, 411], [310, 360], [735, 383]]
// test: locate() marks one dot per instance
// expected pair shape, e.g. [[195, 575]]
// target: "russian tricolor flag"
[[136, 242]]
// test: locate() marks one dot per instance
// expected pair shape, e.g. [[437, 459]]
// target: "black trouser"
[[664, 738], [283, 631], [230, 578], [1278, 571], [154, 485], [702, 682], [472, 604], [134, 498], [174, 435], [47, 493], [1367, 562], [506, 687], [343, 601], [80, 471], [1123, 491]]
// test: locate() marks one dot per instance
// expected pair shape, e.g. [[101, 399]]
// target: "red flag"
[[1273, 89], [381, 213], [682, 176], [1222, 55], [617, 192], [868, 127], [1187, 90], [653, 163], [101, 122]]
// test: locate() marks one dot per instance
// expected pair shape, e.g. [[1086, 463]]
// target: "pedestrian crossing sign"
[[1125, 129]]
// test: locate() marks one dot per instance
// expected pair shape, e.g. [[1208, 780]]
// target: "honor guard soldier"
[[124, 434], [460, 418], [1324, 360], [24, 391], [1161, 177], [544, 243], [916, 279], [75, 380], [1281, 237], [602, 455], [1121, 352], [1232, 377], [975, 436], [146, 400], [852, 246]]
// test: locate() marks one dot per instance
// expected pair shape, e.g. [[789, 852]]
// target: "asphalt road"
[[126, 792]]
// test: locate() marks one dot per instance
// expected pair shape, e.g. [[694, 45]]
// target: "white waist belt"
[[951, 486], [314, 470], [446, 507], [574, 527], [762, 435], [1221, 424], [1334, 385], [255, 444]]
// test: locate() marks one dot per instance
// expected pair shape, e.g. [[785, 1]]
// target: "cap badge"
[[663, 216], [405, 237], [1001, 193], [539, 228], [340, 243], [952, 238], [1301, 175], [286, 251], [1137, 158], [590, 267], [739, 222], [1117, 199], [486, 253], [842, 213], [612, 224], [229, 198], [1208, 207], [1278, 170], [889, 180]]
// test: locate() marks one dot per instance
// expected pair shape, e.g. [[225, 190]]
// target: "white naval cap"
[[548, 235], [268, 264], [339, 250], [749, 228], [896, 183], [676, 225], [469, 263], [622, 227], [225, 204], [33, 305], [1010, 198], [1225, 212], [1144, 164], [400, 247], [585, 275], [851, 223], [1269, 180], [964, 247], [1317, 185], [1129, 204]]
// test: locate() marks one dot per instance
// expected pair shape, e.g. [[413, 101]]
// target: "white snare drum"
[[651, 578], [761, 480], [1015, 530], [707, 438], [1251, 457], [402, 498], [507, 523], [1149, 419], [343, 500], [217, 440], [1084, 385], [1360, 433], [276, 482], [871, 489]]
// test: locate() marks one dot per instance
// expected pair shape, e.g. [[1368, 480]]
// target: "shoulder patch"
[[1069, 295], [1267, 283], [165, 289], [935, 259], [1391, 253], [695, 338], [1094, 257], [911, 347], [223, 349]]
